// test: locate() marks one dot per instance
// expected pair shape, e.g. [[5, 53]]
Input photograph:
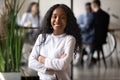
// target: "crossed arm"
[[41, 59], [42, 64]]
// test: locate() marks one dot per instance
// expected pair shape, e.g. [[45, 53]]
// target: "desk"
[[114, 27]]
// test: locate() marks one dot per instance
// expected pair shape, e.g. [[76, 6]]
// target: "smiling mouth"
[[57, 25]]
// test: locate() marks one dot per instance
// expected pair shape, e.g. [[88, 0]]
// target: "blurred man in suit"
[[101, 22]]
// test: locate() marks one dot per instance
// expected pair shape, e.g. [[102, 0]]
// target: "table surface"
[[112, 27]]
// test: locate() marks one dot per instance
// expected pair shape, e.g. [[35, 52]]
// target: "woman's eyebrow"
[[63, 14]]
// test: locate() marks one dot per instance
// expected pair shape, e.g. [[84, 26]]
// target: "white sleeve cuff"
[[47, 61]]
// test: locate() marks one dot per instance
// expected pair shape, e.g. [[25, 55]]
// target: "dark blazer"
[[101, 23]]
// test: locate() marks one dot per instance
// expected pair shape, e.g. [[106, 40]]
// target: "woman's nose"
[[58, 19]]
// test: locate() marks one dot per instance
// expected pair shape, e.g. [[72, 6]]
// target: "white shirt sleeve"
[[24, 19], [61, 64], [33, 62]]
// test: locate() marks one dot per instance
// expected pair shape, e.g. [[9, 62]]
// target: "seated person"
[[101, 22], [85, 22], [31, 19]]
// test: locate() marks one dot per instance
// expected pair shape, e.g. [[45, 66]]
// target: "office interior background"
[[97, 73]]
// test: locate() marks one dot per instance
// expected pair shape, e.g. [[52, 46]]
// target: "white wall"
[[79, 6], [113, 8]]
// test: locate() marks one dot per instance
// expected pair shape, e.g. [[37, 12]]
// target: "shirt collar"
[[59, 36]]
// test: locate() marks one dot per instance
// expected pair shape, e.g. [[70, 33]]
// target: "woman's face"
[[34, 9], [58, 20]]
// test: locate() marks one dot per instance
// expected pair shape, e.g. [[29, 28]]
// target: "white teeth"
[[57, 25]]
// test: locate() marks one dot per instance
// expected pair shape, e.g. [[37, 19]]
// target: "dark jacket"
[[101, 24]]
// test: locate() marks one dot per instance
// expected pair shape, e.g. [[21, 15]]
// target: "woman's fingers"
[[63, 55], [41, 59]]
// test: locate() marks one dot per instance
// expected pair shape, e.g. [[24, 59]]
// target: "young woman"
[[59, 38], [31, 17]]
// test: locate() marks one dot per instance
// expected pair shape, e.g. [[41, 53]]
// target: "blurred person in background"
[[59, 38], [31, 19], [85, 22], [101, 23]]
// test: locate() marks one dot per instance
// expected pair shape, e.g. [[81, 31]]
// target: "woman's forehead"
[[59, 11]]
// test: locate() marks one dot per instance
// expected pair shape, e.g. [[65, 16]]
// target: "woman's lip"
[[57, 25]]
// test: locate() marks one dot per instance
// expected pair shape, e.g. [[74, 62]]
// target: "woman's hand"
[[41, 59], [63, 55], [29, 25]]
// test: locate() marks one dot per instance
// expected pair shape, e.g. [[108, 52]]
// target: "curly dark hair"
[[72, 27]]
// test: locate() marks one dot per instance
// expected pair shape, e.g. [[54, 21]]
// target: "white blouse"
[[28, 18], [54, 46]]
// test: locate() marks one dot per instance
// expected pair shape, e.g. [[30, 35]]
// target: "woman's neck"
[[58, 32], [33, 14]]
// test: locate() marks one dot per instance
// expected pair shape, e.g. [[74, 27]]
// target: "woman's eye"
[[63, 17], [54, 17], [60, 17]]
